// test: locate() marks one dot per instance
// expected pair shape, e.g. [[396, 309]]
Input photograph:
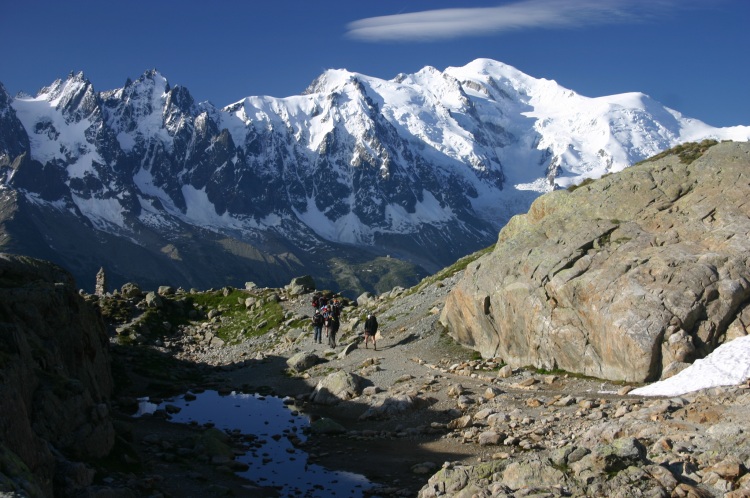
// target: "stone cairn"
[[100, 289]]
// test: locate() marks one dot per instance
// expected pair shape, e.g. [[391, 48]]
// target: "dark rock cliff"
[[55, 381]]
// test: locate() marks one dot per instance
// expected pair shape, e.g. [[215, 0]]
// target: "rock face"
[[624, 278], [55, 381]]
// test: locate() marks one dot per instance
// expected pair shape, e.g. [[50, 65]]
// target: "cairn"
[[100, 289]]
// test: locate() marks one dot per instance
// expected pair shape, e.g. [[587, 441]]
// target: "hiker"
[[317, 321], [333, 327], [371, 328], [336, 308], [326, 315], [316, 300]]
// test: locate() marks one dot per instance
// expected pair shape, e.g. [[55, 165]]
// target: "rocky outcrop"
[[55, 381], [302, 361], [336, 387], [628, 277]]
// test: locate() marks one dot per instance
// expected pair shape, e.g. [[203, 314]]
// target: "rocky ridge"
[[630, 277], [55, 382]]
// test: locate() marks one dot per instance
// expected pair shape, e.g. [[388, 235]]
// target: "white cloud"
[[432, 25]]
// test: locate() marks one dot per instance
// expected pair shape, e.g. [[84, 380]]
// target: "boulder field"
[[629, 277]]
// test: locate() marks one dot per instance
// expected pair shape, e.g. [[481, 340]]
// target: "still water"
[[273, 461]]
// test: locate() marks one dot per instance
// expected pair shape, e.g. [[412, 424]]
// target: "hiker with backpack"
[[336, 308], [325, 312], [371, 328], [317, 321], [332, 325], [316, 300]]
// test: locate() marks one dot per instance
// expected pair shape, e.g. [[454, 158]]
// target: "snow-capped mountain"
[[426, 166]]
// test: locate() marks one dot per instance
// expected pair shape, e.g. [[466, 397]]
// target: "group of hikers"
[[327, 318]]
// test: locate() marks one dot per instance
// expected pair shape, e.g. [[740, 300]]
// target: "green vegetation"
[[115, 310], [236, 321], [380, 274], [687, 152], [565, 373], [585, 182], [232, 320], [449, 271]]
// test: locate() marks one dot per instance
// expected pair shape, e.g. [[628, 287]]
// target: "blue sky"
[[691, 55]]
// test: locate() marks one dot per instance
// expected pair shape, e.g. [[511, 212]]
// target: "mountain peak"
[[154, 78], [428, 164], [73, 84], [330, 81]]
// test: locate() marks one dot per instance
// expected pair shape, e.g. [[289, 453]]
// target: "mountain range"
[[360, 182]]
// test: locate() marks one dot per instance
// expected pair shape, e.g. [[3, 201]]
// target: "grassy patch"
[[449, 271], [687, 152], [587, 181], [116, 310], [563, 373], [235, 321]]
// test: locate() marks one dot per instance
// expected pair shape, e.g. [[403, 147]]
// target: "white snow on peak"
[[483, 126], [54, 137], [146, 99], [484, 117], [57, 92]]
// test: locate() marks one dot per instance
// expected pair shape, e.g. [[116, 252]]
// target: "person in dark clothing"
[[333, 327], [371, 328], [336, 308], [317, 321]]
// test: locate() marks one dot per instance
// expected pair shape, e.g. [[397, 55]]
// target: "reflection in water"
[[273, 460]]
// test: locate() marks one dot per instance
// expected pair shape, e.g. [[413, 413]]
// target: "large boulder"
[[336, 387], [302, 361], [620, 278], [301, 285], [367, 299], [55, 381], [389, 406]]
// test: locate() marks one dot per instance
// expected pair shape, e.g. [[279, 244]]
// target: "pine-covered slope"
[[425, 167]]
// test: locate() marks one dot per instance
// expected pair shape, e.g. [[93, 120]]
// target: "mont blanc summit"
[[425, 167]]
